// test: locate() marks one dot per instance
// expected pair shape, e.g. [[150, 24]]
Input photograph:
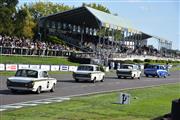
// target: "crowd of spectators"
[[15, 45], [103, 47]]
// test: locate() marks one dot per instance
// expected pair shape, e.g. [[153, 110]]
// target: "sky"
[[156, 17]]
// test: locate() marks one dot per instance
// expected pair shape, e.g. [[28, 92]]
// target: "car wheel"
[[77, 80], [13, 90], [102, 80], [53, 88], [38, 91], [146, 75], [133, 76], [119, 77], [94, 80], [165, 76]]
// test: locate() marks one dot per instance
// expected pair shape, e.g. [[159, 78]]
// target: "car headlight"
[[30, 84], [8, 82]]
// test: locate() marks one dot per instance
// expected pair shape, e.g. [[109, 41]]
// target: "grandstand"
[[91, 30], [91, 33]]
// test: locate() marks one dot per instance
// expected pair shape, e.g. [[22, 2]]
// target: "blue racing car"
[[155, 70]]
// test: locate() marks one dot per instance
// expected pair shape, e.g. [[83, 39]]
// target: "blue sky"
[[156, 17]]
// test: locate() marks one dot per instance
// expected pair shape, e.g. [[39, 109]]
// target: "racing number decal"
[[48, 84]]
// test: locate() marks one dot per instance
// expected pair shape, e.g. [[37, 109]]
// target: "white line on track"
[[32, 103]]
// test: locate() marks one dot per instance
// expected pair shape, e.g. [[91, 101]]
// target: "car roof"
[[39, 70], [88, 65]]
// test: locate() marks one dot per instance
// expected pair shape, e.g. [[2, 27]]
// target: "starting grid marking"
[[32, 103]]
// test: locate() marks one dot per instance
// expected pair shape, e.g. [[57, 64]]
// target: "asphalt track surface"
[[67, 87]]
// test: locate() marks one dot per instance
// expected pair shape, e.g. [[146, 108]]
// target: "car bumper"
[[83, 78], [22, 88], [124, 75]]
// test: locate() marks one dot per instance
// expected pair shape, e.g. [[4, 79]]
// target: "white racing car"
[[89, 72], [129, 70], [35, 80]]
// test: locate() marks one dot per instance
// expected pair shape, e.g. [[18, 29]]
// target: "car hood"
[[124, 69], [84, 72], [21, 79]]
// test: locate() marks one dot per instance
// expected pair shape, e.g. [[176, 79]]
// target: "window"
[[44, 74], [85, 68], [97, 68], [27, 73]]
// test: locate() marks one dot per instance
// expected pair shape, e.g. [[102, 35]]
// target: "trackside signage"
[[14, 67], [23, 66], [45, 67], [72, 68], [2, 67], [11, 67], [124, 98], [54, 67], [64, 68], [34, 66]]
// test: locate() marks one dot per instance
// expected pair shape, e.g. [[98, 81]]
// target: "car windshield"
[[126, 67], [85, 68], [152, 66], [27, 73]]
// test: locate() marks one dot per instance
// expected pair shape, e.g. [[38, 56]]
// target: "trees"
[[7, 13]]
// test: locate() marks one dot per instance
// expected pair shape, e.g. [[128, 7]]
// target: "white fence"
[[14, 67]]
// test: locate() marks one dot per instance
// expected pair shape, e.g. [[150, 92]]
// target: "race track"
[[67, 87]]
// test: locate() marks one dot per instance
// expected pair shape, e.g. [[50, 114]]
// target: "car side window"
[[97, 68], [44, 74]]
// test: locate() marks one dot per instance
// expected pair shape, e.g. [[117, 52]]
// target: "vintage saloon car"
[[88, 72], [155, 70], [129, 70], [35, 80]]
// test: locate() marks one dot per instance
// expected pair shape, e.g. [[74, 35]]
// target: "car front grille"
[[124, 72], [82, 75], [17, 84]]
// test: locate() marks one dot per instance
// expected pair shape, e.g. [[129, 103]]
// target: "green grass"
[[35, 60], [150, 103], [10, 73]]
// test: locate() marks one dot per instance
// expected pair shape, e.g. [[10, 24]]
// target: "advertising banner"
[[54, 67], [45, 67], [72, 68], [11, 67], [2, 67], [34, 66], [23, 66], [64, 68]]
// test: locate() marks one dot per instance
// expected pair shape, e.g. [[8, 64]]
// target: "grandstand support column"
[[82, 33]]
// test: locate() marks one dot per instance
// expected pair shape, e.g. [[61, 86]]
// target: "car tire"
[[77, 80], [13, 90], [147, 75], [119, 77], [133, 76], [53, 88], [165, 76], [38, 91], [94, 80], [102, 80]]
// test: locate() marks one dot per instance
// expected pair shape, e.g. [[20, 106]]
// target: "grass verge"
[[146, 104], [35, 60]]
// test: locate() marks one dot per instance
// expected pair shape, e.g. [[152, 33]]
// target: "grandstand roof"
[[89, 17]]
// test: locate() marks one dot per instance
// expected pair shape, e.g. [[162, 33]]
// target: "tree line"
[[21, 21]]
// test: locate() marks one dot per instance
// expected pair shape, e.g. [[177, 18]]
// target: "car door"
[[99, 73]]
